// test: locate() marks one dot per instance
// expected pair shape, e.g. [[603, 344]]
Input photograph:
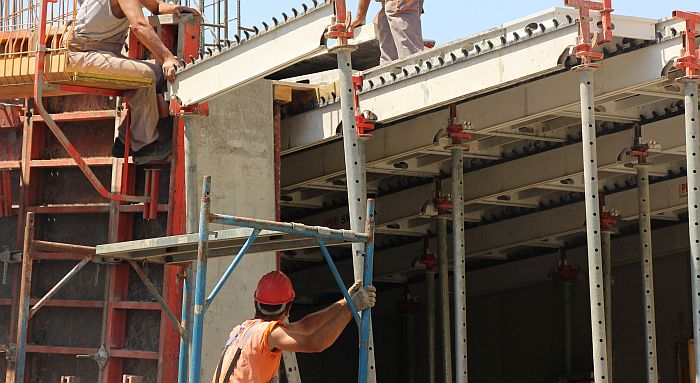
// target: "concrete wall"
[[516, 331], [234, 145]]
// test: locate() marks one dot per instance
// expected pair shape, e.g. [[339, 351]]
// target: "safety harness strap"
[[236, 356]]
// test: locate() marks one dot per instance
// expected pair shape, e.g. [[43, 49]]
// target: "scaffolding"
[[194, 250]]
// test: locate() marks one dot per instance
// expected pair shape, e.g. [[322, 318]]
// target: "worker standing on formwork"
[[399, 26], [96, 44], [254, 350]]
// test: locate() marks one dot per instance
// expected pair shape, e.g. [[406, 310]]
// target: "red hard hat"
[[274, 288]]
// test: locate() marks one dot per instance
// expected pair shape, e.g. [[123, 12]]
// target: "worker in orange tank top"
[[254, 350]]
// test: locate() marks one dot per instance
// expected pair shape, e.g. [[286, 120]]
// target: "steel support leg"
[[647, 273], [692, 145], [607, 289], [24, 299], [443, 278], [200, 284], [595, 262], [187, 325], [430, 303], [355, 173], [459, 265], [291, 367]]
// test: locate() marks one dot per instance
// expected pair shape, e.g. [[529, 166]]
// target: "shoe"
[[155, 151], [118, 149]]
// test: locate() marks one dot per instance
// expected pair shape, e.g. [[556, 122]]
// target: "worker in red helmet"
[[254, 349], [399, 27]]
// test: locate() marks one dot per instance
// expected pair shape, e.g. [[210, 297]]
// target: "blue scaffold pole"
[[367, 280], [200, 283]]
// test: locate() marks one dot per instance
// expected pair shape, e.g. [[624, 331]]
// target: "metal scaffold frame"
[[584, 52]]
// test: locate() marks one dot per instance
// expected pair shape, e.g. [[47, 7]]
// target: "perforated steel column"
[[692, 145], [595, 262], [356, 176], [459, 266], [444, 281], [608, 287], [647, 273]]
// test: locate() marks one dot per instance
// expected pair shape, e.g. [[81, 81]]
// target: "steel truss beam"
[[507, 178], [529, 102], [493, 69], [282, 44]]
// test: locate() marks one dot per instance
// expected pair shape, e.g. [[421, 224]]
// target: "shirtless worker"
[[95, 46], [399, 26], [254, 350]]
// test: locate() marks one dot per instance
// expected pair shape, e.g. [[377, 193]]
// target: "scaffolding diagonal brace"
[[154, 292]]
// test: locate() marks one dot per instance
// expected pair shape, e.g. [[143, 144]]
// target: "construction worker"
[[254, 350], [95, 46], [399, 26]]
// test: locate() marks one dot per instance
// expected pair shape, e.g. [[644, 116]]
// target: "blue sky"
[[447, 20]]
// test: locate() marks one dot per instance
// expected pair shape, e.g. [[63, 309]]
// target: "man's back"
[[256, 362]]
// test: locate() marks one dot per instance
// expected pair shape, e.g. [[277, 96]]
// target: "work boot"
[[155, 151], [118, 149]]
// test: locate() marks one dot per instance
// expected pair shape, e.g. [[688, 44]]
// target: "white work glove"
[[363, 297]]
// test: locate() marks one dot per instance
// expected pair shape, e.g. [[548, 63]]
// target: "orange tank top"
[[256, 364]]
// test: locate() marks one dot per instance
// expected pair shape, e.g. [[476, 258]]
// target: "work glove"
[[363, 297]]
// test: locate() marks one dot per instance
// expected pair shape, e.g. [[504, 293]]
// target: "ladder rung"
[[89, 208], [79, 116], [69, 162]]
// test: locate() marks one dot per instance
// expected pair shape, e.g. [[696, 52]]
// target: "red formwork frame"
[[115, 305]]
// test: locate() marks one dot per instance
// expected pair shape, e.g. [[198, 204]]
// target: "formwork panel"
[[142, 331], [8, 232], [87, 284], [90, 138], [5, 315], [79, 229], [69, 185], [66, 327], [10, 144]]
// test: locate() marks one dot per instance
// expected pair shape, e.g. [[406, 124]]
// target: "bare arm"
[[361, 15], [143, 30], [314, 321], [314, 334]]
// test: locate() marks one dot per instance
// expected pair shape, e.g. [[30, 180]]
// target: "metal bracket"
[[340, 28], [10, 351], [690, 55], [100, 356], [6, 258], [584, 48], [456, 130], [176, 109], [364, 121]]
